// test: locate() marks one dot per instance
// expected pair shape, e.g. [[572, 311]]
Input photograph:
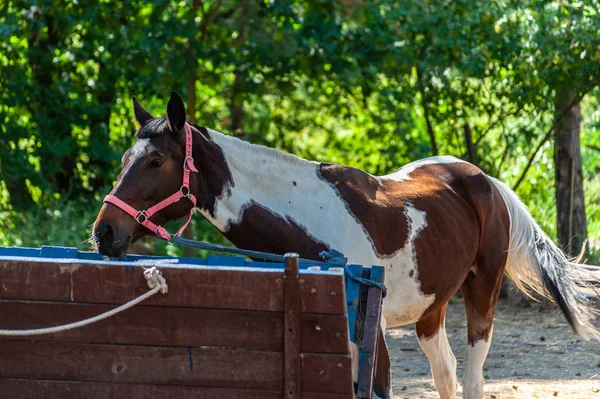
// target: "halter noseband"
[[143, 216]]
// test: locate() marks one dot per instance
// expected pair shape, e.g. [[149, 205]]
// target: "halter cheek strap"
[[143, 216]]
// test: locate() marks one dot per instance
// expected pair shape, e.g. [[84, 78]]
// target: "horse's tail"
[[536, 264]]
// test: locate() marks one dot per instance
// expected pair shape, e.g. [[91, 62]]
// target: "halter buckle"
[[139, 215], [162, 232], [185, 161]]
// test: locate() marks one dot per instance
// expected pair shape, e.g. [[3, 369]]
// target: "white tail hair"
[[535, 264]]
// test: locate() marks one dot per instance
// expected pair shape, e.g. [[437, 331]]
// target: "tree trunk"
[[237, 112], [50, 111], [430, 131], [237, 91], [570, 204], [469, 142], [99, 124]]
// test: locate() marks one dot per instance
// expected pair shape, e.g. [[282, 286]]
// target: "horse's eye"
[[157, 163]]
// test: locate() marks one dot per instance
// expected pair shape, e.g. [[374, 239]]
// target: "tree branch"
[[430, 132], [593, 147], [501, 118], [469, 142], [504, 154], [546, 137]]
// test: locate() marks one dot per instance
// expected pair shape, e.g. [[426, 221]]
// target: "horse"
[[437, 225]]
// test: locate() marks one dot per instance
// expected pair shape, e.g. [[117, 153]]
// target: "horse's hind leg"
[[482, 286], [480, 293], [431, 332]]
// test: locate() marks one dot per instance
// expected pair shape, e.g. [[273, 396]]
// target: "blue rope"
[[330, 258]]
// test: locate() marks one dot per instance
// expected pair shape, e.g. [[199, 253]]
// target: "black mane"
[[159, 126], [154, 128]]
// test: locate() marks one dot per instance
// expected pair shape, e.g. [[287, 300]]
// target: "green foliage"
[[371, 84]]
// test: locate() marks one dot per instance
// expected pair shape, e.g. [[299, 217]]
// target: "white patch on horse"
[[473, 379], [404, 172], [443, 363], [406, 303], [290, 187], [140, 148]]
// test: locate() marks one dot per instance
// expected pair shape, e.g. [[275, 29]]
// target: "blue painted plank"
[[352, 298], [215, 260], [366, 362], [48, 251]]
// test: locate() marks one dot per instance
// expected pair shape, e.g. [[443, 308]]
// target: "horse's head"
[[152, 170]]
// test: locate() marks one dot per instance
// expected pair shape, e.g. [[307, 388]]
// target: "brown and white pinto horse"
[[437, 225]]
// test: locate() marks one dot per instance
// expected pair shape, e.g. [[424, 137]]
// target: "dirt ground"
[[533, 355]]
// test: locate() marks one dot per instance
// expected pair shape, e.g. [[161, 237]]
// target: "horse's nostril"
[[105, 233]]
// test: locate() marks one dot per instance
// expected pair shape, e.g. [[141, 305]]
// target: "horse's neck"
[[271, 179]]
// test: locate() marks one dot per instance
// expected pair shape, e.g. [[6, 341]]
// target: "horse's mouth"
[[117, 249]]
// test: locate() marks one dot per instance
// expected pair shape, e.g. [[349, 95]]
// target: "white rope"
[[155, 281]]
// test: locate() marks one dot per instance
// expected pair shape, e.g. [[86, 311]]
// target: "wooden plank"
[[352, 298], [324, 333], [291, 332], [153, 325], [368, 359], [329, 373], [206, 367], [382, 380], [48, 389], [201, 286]]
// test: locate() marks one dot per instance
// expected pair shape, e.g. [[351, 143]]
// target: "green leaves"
[[344, 81]]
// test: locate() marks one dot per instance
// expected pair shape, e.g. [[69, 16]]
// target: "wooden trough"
[[227, 328]]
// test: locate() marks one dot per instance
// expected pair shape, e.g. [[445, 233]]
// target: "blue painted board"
[[352, 297]]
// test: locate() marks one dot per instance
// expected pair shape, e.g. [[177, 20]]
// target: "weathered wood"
[[207, 367], [225, 332], [247, 289], [291, 333], [382, 380], [324, 333], [154, 325], [352, 297], [47, 389], [330, 373], [372, 328]]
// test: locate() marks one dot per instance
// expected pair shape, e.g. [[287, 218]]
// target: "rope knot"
[[155, 278]]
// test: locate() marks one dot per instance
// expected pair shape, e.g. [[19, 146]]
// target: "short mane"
[[259, 150], [159, 126], [154, 128]]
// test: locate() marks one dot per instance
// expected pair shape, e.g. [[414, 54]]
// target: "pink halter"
[[143, 216]]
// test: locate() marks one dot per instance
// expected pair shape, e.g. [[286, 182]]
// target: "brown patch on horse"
[[379, 210], [482, 287], [428, 326], [262, 230], [214, 176], [480, 218], [451, 195]]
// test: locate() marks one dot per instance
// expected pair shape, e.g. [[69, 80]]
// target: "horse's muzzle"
[[106, 241]]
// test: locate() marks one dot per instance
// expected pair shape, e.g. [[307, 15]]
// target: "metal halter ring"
[[139, 215], [187, 194], [185, 167]]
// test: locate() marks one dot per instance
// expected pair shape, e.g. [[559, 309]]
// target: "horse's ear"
[[176, 112], [141, 115]]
